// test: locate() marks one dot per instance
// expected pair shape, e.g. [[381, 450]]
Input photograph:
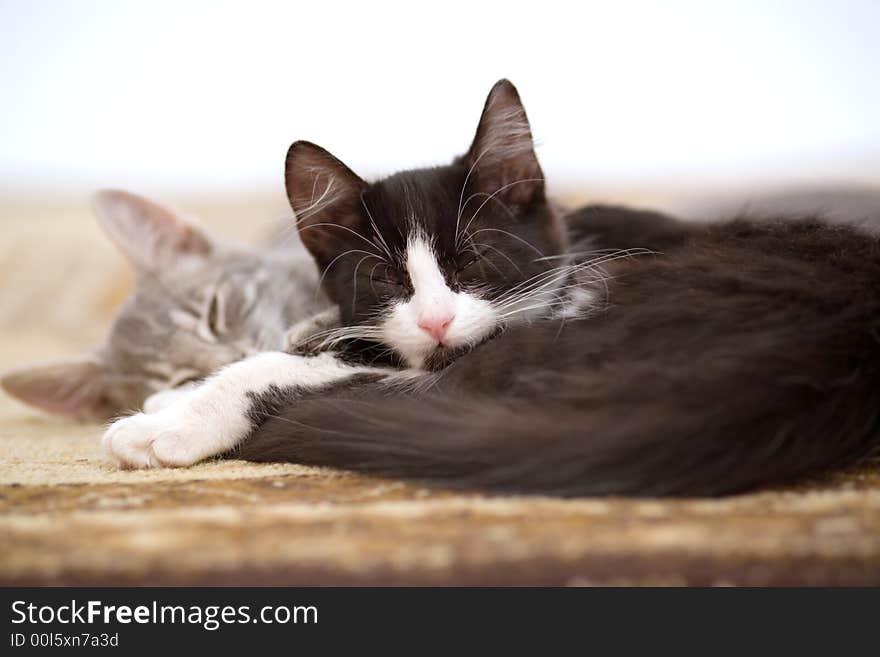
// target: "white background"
[[207, 96]]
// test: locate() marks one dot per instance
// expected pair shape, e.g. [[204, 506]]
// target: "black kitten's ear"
[[503, 154], [152, 237], [325, 196]]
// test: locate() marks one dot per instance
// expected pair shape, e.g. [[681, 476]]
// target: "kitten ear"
[[503, 154], [151, 236], [324, 194], [74, 387]]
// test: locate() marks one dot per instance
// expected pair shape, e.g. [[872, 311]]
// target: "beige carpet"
[[67, 517]]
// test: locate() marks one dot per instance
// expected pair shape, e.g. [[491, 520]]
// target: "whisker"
[[516, 237], [346, 228], [496, 192], [600, 277], [504, 205], [540, 279], [379, 235], [541, 306], [343, 254], [576, 254], [499, 252], [463, 187], [343, 332], [550, 285], [316, 204], [551, 275], [355, 281]]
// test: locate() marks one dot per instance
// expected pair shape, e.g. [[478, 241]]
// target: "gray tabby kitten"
[[199, 304]]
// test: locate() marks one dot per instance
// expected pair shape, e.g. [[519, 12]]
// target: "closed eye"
[[213, 320], [184, 377], [386, 277], [213, 317], [472, 257], [385, 280]]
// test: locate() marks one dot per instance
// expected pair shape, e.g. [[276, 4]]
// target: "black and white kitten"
[[423, 265], [746, 353]]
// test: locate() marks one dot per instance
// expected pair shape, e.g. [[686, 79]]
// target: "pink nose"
[[436, 325]]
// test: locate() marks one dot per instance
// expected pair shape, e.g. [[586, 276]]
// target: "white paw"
[[165, 398], [155, 440]]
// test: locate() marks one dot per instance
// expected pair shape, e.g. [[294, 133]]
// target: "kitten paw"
[[151, 441], [164, 398]]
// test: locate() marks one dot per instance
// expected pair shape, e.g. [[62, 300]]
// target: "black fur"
[[748, 355], [737, 355], [616, 227], [488, 218]]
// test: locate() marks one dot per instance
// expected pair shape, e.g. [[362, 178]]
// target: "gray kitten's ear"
[[151, 236], [324, 194], [75, 387], [503, 154]]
